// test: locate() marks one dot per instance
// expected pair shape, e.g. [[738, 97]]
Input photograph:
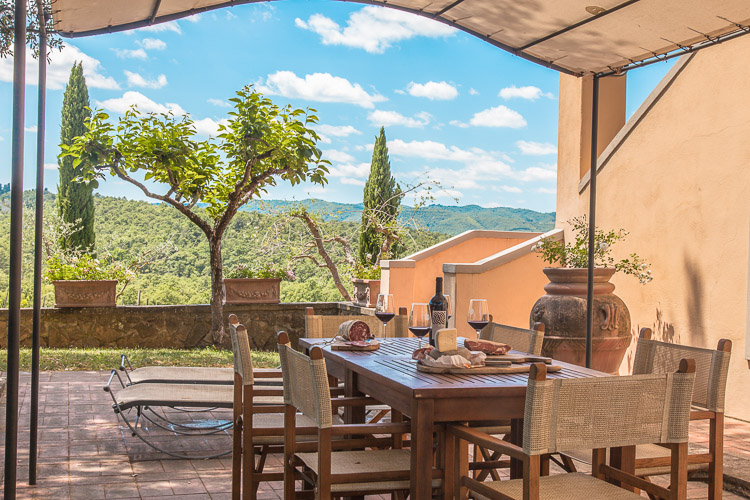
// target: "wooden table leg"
[[623, 458], [516, 437], [352, 414], [421, 448]]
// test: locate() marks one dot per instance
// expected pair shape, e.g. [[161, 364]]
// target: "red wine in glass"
[[385, 317], [478, 325], [420, 331], [479, 314]]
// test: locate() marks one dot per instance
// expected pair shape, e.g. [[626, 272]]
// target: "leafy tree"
[[75, 201], [32, 27], [382, 201], [260, 144]]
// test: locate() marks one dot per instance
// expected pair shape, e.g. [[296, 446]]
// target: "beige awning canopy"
[[572, 36]]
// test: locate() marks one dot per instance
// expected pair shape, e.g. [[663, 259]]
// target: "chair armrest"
[[112, 375], [487, 441], [352, 401], [267, 374], [391, 428], [702, 414]]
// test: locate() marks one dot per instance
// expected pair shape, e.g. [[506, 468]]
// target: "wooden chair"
[[598, 412], [520, 339], [318, 326], [711, 369], [485, 461], [258, 430], [329, 472]]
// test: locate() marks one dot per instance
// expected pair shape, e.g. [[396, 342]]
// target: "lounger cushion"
[[184, 395], [192, 375]]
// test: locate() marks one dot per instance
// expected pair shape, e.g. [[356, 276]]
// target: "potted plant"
[[262, 285], [563, 308], [366, 284], [84, 281]]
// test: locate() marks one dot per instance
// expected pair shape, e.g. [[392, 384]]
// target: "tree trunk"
[[217, 291]]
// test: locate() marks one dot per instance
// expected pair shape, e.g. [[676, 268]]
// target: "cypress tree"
[[75, 200], [381, 199]]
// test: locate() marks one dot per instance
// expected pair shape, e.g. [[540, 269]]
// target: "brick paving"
[[84, 452]]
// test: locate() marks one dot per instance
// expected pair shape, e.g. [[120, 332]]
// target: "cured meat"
[[354, 330], [421, 353], [487, 346]]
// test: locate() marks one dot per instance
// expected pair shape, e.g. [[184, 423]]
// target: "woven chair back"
[[243, 362], [711, 368], [520, 339], [318, 326], [601, 412], [306, 385]]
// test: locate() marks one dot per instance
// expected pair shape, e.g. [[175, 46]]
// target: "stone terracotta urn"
[[366, 292], [85, 293], [563, 312], [252, 290]]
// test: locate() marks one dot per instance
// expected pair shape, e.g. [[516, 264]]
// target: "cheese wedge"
[[446, 340]]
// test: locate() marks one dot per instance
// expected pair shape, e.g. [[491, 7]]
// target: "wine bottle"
[[438, 310]]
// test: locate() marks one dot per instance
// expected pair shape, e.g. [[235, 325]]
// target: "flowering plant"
[[267, 271], [576, 254], [366, 272], [86, 267]]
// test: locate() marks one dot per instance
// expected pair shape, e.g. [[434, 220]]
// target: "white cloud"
[[509, 189], [473, 92], [543, 172], [131, 53], [440, 91], [144, 104], [32, 129], [389, 118], [337, 156], [359, 171], [207, 126], [58, 69], [136, 80], [2, 138], [457, 123], [353, 182], [50, 166], [373, 29], [536, 148], [529, 92], [194, 18], [230, 15], [499, 116], [322, 87], [219, 102], [152, 44], [169, 26], [546, 190], [337, 130]]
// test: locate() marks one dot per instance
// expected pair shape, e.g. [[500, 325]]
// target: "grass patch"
[[90, 358]]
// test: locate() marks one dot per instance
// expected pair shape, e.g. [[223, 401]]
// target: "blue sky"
[[477, 119]]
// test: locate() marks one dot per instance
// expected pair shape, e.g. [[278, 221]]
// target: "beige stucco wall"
[[680, 183]]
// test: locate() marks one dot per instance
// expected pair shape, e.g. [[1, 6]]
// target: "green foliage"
[[381, 203], [75, 198], [576, 254], [32, 28], [91, 358], [85, 267], [366, 272], [267, 271]]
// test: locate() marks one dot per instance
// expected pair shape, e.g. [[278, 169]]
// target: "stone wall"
[[180, 326]]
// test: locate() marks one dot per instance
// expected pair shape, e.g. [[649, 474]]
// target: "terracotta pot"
[[252, 290], [85, 293], [563, 312], [366, 292]]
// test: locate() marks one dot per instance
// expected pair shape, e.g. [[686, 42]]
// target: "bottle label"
[[439, 321]]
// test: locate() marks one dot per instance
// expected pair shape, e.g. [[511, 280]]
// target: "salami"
[[487, 346], [354, 330], [421, 353]]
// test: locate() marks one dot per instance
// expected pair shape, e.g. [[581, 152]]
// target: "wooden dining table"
[[389, 375]]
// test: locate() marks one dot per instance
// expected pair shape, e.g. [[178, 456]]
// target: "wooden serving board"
[[340, 346], [519, 358], [484, 370]]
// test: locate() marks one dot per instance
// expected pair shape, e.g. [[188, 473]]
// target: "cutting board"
[[484, 370], [341, 346], [518, 358]]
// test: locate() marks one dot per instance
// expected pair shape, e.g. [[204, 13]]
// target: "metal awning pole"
[[39, 225], [16, 227], [592, 221]]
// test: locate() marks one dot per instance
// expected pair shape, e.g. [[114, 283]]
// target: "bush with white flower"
[[576, 254], [267, 271]]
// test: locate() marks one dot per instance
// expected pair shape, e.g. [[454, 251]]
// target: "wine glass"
[[479, 314], [385, 309], [449, 309], [419, 321]]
